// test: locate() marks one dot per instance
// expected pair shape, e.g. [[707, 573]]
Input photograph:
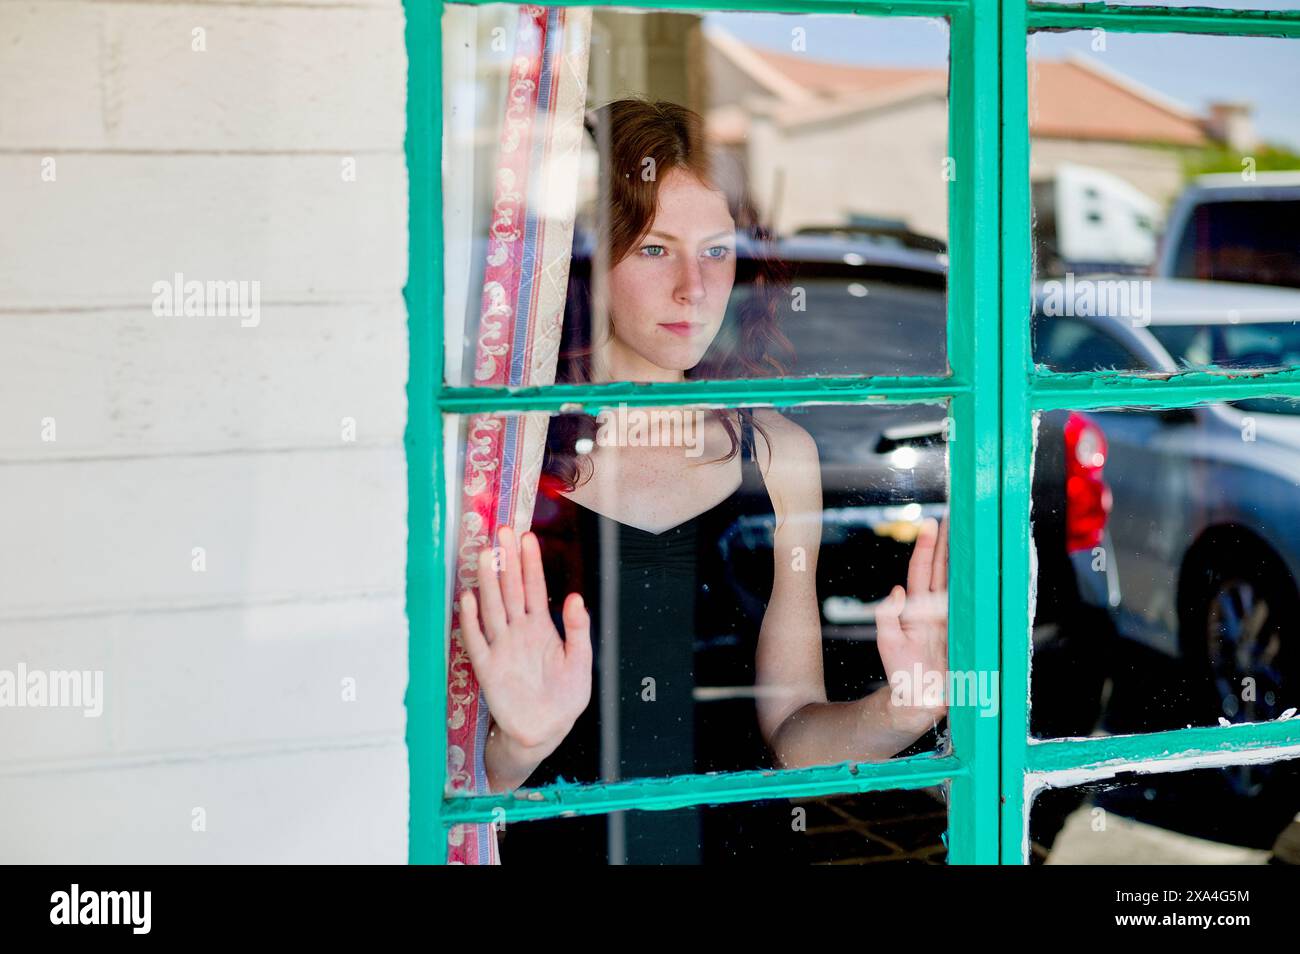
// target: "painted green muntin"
[[684, 791], [780, 393], [1083, 16], [973, 347], [1017, 437], [1099, 752], [1116, 388]]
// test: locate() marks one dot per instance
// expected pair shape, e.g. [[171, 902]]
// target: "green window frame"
[[992, 392], [1025, 390]]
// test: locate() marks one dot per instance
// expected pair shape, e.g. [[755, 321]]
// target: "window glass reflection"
[[725, 195], [1237, 815], [874, 828], [713, 602], [1185, 564], [1165, 178]]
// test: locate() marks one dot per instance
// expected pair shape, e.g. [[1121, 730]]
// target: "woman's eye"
[[717, 251], [654, 251]]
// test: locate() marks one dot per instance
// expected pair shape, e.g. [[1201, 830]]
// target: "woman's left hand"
[[912, 633]]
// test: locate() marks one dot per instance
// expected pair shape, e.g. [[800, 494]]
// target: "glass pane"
[[700, 195], [1236, 815], [734, 602], [894, 827], [1166, 199], [1168, 550]]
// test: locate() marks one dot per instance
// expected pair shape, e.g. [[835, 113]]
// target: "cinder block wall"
[[210, 511]]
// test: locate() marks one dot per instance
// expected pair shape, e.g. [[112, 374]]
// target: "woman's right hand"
[[535, 683]]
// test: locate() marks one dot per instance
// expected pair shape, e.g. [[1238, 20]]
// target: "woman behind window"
[[671, 217]]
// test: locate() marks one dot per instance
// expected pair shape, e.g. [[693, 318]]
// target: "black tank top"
[[675, 621]]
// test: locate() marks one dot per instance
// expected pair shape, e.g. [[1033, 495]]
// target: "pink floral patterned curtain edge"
[[522, 311]]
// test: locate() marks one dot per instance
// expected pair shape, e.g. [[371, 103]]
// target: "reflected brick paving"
[[877, 827]]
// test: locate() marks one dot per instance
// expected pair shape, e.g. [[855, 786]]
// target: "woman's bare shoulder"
[[789, 462], [782, 439]]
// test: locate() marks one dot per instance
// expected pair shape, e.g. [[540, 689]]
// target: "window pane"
[[894, 827], [1236, 815], [1226, 239], [1166, 197], [732, 615], [1168, 547], [717, 195]]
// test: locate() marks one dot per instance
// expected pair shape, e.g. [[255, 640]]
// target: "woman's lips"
[[683, 329]]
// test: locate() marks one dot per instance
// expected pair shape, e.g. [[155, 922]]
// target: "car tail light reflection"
[[1087, 498]]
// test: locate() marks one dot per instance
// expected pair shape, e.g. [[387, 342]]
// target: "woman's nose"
[[690, 283]]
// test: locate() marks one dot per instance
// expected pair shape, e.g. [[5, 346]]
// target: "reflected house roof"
[[1079, 99], [1075, 98]]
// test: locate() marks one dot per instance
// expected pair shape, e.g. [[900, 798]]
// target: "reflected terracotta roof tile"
[[1068, 99]]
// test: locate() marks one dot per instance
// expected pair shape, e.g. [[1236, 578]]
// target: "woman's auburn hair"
[[634, 137]]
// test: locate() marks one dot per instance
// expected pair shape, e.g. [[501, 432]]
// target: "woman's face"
[[668, 296]]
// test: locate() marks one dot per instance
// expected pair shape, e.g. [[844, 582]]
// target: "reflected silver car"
[[1205, 528]]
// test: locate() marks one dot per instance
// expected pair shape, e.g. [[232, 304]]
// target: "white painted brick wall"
[[224, 690]]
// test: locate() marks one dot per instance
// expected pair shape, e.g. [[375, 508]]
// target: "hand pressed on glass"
[[536, 685], [912, 628]]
